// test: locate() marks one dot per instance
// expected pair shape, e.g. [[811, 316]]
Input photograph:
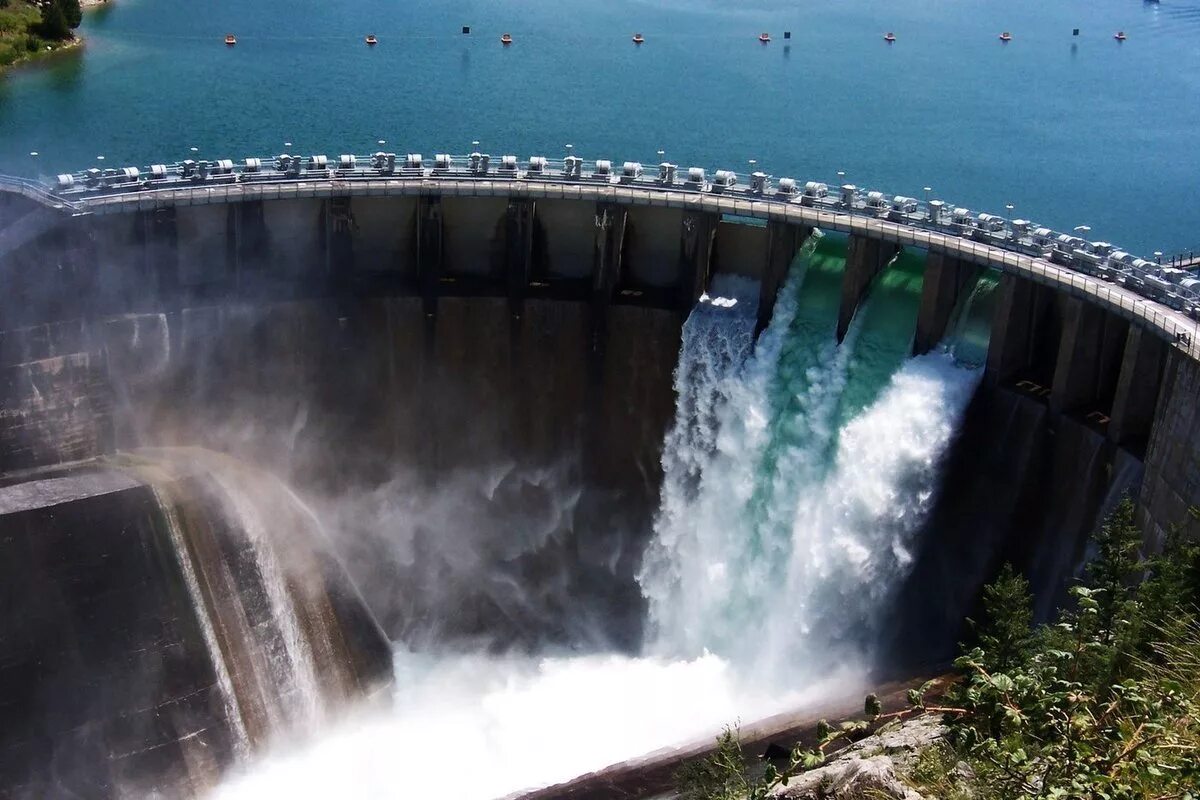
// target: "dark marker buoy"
[[787, 34], [1075, 32], [466, 30]]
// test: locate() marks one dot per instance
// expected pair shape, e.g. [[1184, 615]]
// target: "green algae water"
[[887, 320], [1063, 127]]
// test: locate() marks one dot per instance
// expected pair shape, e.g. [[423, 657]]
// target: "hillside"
[[24, 34]]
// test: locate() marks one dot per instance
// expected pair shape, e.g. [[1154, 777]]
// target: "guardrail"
[[1133, 287], [35, 190]]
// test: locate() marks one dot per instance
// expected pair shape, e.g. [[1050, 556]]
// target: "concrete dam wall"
[[495, 372], [155, 630]]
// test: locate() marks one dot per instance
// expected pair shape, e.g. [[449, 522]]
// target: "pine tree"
[[72, 11], [1005, 633], [1116, 569], [54, 23]]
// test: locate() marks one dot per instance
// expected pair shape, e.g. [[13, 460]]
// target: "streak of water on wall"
[[233, 714]]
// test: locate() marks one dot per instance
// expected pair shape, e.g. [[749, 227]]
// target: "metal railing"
[[1135, 288], [35, 190]]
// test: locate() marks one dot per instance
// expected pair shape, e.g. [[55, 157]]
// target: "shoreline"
[[36, 58]]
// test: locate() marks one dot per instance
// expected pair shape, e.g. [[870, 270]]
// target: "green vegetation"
[[28, 29], [1103, 703]]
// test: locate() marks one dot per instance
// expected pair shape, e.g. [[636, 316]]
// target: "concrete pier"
[[783, 243], [865, 259], [1171, 488], [1089, 358], [946, 279], [1025, 334], [429, 251], [339, 248], [518, 252], [697, 234], [611, 222], [1137, 389]]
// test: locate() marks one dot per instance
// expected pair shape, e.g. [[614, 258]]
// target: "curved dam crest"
[[488, 420]]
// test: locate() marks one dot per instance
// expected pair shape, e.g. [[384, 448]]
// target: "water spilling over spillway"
[[797, 477]]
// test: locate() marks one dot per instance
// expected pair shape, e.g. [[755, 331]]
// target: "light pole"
[[33, 155]]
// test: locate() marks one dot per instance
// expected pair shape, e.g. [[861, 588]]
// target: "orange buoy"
[[1006, 37], [764, 37], [230, 39], [506, 39], [1119, 36], [638, 38], [372, 41], [889, 37]]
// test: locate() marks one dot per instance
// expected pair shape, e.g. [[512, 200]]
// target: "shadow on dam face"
[[434, 447]]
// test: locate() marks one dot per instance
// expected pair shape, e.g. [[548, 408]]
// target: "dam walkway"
[[1132, 288]]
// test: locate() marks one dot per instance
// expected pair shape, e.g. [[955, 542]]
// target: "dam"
[[223, 380]]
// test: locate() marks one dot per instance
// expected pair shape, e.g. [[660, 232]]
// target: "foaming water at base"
[[474, 727]]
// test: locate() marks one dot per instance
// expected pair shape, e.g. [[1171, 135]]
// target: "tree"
[[71, 11], [1117, 567], [1006, 631], [54, 23]]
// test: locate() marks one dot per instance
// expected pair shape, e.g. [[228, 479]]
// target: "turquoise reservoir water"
[[1071, 130]]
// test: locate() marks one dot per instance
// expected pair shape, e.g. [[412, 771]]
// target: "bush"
[[1106, 702]]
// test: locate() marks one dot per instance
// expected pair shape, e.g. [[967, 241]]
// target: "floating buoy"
[[372, 41], [230, 39], [506, 39], [889, 37], [764, 37], [1006, 37], [638, 38], [1119, 36]]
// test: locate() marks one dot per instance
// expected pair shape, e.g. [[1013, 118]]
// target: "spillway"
[[789, 511]]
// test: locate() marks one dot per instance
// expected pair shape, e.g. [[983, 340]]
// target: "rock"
[[866, 770], [850, 779]]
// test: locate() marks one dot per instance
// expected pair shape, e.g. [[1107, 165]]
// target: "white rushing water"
[[779, 540]]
